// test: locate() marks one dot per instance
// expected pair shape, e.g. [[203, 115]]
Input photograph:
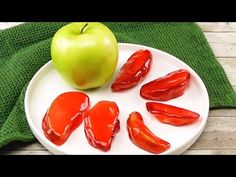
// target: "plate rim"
[[53, 148]]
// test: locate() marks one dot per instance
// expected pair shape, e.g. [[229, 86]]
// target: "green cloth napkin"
[[26, 48]]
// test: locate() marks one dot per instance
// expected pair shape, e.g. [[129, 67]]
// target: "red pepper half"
[[133, 71], [102, 124], [142, 137], [171, 114], [64, 115], [168, 87]]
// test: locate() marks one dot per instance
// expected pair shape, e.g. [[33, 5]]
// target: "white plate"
[[46, 85]]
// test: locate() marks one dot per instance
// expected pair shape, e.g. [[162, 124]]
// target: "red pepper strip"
[[171, 114], [133, 71], [168, 87], [102, 124], [64, 115], [142, 137]]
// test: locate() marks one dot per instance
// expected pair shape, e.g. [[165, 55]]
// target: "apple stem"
[[83, 28]]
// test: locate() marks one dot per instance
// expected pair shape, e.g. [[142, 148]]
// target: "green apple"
[[85, 54]]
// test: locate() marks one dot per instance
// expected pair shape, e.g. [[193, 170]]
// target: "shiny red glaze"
[[171, 114], [102, 124], [64, 115], [168, 87], [133, 71], [142, 137]]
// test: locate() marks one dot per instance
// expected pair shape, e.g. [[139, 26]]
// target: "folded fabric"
[[24, 49]]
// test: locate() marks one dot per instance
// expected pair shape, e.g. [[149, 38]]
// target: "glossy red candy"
[[142, 137], [168, 87], [102, 124], [64, 115], [133, 71], [171, 114]]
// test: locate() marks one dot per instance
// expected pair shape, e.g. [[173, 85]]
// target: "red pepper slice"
[[133, 71], [142, 137], [102, 124], [64, 115], [171, 114], [168, 87]]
